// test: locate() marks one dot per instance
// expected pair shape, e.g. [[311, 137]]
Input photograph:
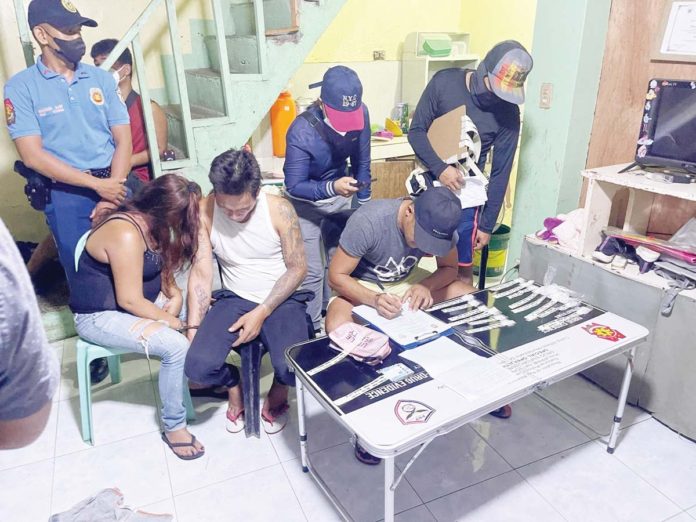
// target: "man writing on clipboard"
[[491, 95], [377, 257]]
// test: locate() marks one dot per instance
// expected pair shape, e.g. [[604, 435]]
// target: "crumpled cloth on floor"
[[106, 506], [564, 229]]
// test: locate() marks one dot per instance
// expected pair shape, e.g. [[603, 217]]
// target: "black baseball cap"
[[438, 211], [61, 14]]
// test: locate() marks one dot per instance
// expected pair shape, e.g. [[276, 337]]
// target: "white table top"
[[395, 417]]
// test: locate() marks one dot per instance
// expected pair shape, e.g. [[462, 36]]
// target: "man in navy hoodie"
[[317, 179], [491, 94]]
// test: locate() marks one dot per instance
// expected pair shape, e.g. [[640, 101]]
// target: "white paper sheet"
[[408, 328], [482, 378], [440, 356]]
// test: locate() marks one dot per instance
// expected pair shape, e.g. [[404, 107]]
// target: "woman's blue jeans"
[[127, 332]]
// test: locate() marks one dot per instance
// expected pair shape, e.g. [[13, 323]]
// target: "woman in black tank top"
[[125, 294]]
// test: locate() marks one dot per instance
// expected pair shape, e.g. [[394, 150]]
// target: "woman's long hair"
[[170, 207]]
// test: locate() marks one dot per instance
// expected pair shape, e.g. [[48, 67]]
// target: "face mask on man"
[[70, 51], [484, 98], [116, 74], [118, 80]]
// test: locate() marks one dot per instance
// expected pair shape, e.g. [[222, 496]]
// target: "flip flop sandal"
[[502, 413], [173, 445], [273, 424], [366, 458], [234, 423]]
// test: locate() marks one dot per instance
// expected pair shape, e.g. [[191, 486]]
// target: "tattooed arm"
[[201, 277], [287, 225]]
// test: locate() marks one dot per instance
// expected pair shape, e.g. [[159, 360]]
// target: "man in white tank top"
[[257, 242]]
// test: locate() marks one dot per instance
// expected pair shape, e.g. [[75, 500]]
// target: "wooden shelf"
[[394, 148], [418, 67], [629, 272], [604, 184], [637, 179], [449, 58]]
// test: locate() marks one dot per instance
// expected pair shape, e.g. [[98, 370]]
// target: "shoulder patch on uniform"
[[10, 115], [68, 5], [96, 95]]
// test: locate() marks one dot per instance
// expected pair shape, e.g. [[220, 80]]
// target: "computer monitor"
[[667, 135]]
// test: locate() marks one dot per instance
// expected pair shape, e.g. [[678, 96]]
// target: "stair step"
[[242, 53], [197, 112], [205, 90], [175, 126], [277, 14], [205, 73]]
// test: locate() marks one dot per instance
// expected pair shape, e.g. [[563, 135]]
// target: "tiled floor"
[[546, 463]]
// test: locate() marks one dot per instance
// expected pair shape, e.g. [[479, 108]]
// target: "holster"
[[38, 187]]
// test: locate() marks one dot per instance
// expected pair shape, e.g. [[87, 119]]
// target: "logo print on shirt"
[[393, 271], [68, 5], [350, 101], [96, 95], [10, 114]]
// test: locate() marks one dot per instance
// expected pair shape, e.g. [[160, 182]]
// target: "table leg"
[[623, 396], [301, 424], [388, 491]]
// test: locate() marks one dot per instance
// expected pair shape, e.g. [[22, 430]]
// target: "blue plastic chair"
[[86, 353]]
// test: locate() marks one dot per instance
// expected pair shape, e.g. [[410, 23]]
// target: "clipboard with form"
[[409, 329]]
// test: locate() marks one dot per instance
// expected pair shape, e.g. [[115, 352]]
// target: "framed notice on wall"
[[677, 38]]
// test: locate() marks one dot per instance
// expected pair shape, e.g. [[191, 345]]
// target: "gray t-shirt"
[[28, 364], [373, 235]]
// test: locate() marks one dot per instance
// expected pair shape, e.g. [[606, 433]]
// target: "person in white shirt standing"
[[257, 242]]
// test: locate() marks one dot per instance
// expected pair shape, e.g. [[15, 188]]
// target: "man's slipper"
[[234, 423], [216, 392], [274, 422], [192, 444], [366, 458], [502, 413]]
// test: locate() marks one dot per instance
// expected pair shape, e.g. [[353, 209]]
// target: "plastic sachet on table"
[[361, 343]]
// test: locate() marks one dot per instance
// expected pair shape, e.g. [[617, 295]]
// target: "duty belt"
[[101, 173]]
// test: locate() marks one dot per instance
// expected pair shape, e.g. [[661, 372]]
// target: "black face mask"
[[70, 51], [484, 98]]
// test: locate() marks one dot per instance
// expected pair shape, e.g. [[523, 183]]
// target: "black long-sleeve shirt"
[[498, 127]]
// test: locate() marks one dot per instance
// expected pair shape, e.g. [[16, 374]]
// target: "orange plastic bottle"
[[283, 112]]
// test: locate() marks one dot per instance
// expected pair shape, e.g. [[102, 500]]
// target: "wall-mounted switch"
[[545, 95]]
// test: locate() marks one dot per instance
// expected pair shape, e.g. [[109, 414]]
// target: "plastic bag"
[[361, 343], [685, 237]]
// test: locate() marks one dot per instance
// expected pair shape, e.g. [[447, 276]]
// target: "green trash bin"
[[497, 253]]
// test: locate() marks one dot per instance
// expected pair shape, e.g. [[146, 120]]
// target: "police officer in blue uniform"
[[69, 125]]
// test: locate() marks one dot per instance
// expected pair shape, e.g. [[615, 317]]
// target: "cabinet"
[[663, 381], [605, 183], [417, 67]]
